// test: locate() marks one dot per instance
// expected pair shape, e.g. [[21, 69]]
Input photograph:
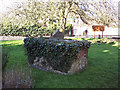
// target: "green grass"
[[102, 71]]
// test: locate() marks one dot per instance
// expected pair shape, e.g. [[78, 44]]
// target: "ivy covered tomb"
[[66, 56]]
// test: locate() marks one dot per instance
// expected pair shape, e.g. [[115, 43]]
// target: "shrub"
[[59, 53], [34, 30], [30, 30]]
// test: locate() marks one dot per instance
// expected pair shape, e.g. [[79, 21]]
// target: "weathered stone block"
[[57, 55], [78, 65], [81, 62]]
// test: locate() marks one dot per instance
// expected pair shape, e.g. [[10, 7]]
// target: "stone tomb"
[[81, 62], [77, 65]]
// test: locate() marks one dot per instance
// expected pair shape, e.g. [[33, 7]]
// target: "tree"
[[34, 11]]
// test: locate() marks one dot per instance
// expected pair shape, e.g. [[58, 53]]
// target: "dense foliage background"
[[31, 30]]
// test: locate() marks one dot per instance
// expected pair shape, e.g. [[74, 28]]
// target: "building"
[[79, 28]]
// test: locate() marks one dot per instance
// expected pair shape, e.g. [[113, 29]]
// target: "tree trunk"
[[65, 13], [60, 33]]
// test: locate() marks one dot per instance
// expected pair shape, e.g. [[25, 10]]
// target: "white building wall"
[[108, 31], [78, 29]]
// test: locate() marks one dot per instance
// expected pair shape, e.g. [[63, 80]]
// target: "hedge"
[[34, 30], [59, 53]]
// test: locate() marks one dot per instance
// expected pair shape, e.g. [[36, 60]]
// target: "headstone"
[[99, 37], [111, 42], [58, 35], [98, 41]]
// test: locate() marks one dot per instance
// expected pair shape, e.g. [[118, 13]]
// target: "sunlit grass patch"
[[116, 44], [105, 50], [12, 42]]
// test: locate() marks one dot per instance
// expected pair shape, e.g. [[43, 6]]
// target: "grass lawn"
[[102, 71]]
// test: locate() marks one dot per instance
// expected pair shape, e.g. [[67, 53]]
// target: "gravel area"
[[4, 38]]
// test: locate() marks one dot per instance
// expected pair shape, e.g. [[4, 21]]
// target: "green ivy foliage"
[[59, 53]]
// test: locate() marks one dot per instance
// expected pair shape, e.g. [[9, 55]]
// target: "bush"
[[58, 53], [30, 30], [18, 78], [34, 30]]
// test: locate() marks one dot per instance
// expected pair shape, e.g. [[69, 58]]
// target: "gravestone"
[[99, 37], [58, 35], [77, 64]]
